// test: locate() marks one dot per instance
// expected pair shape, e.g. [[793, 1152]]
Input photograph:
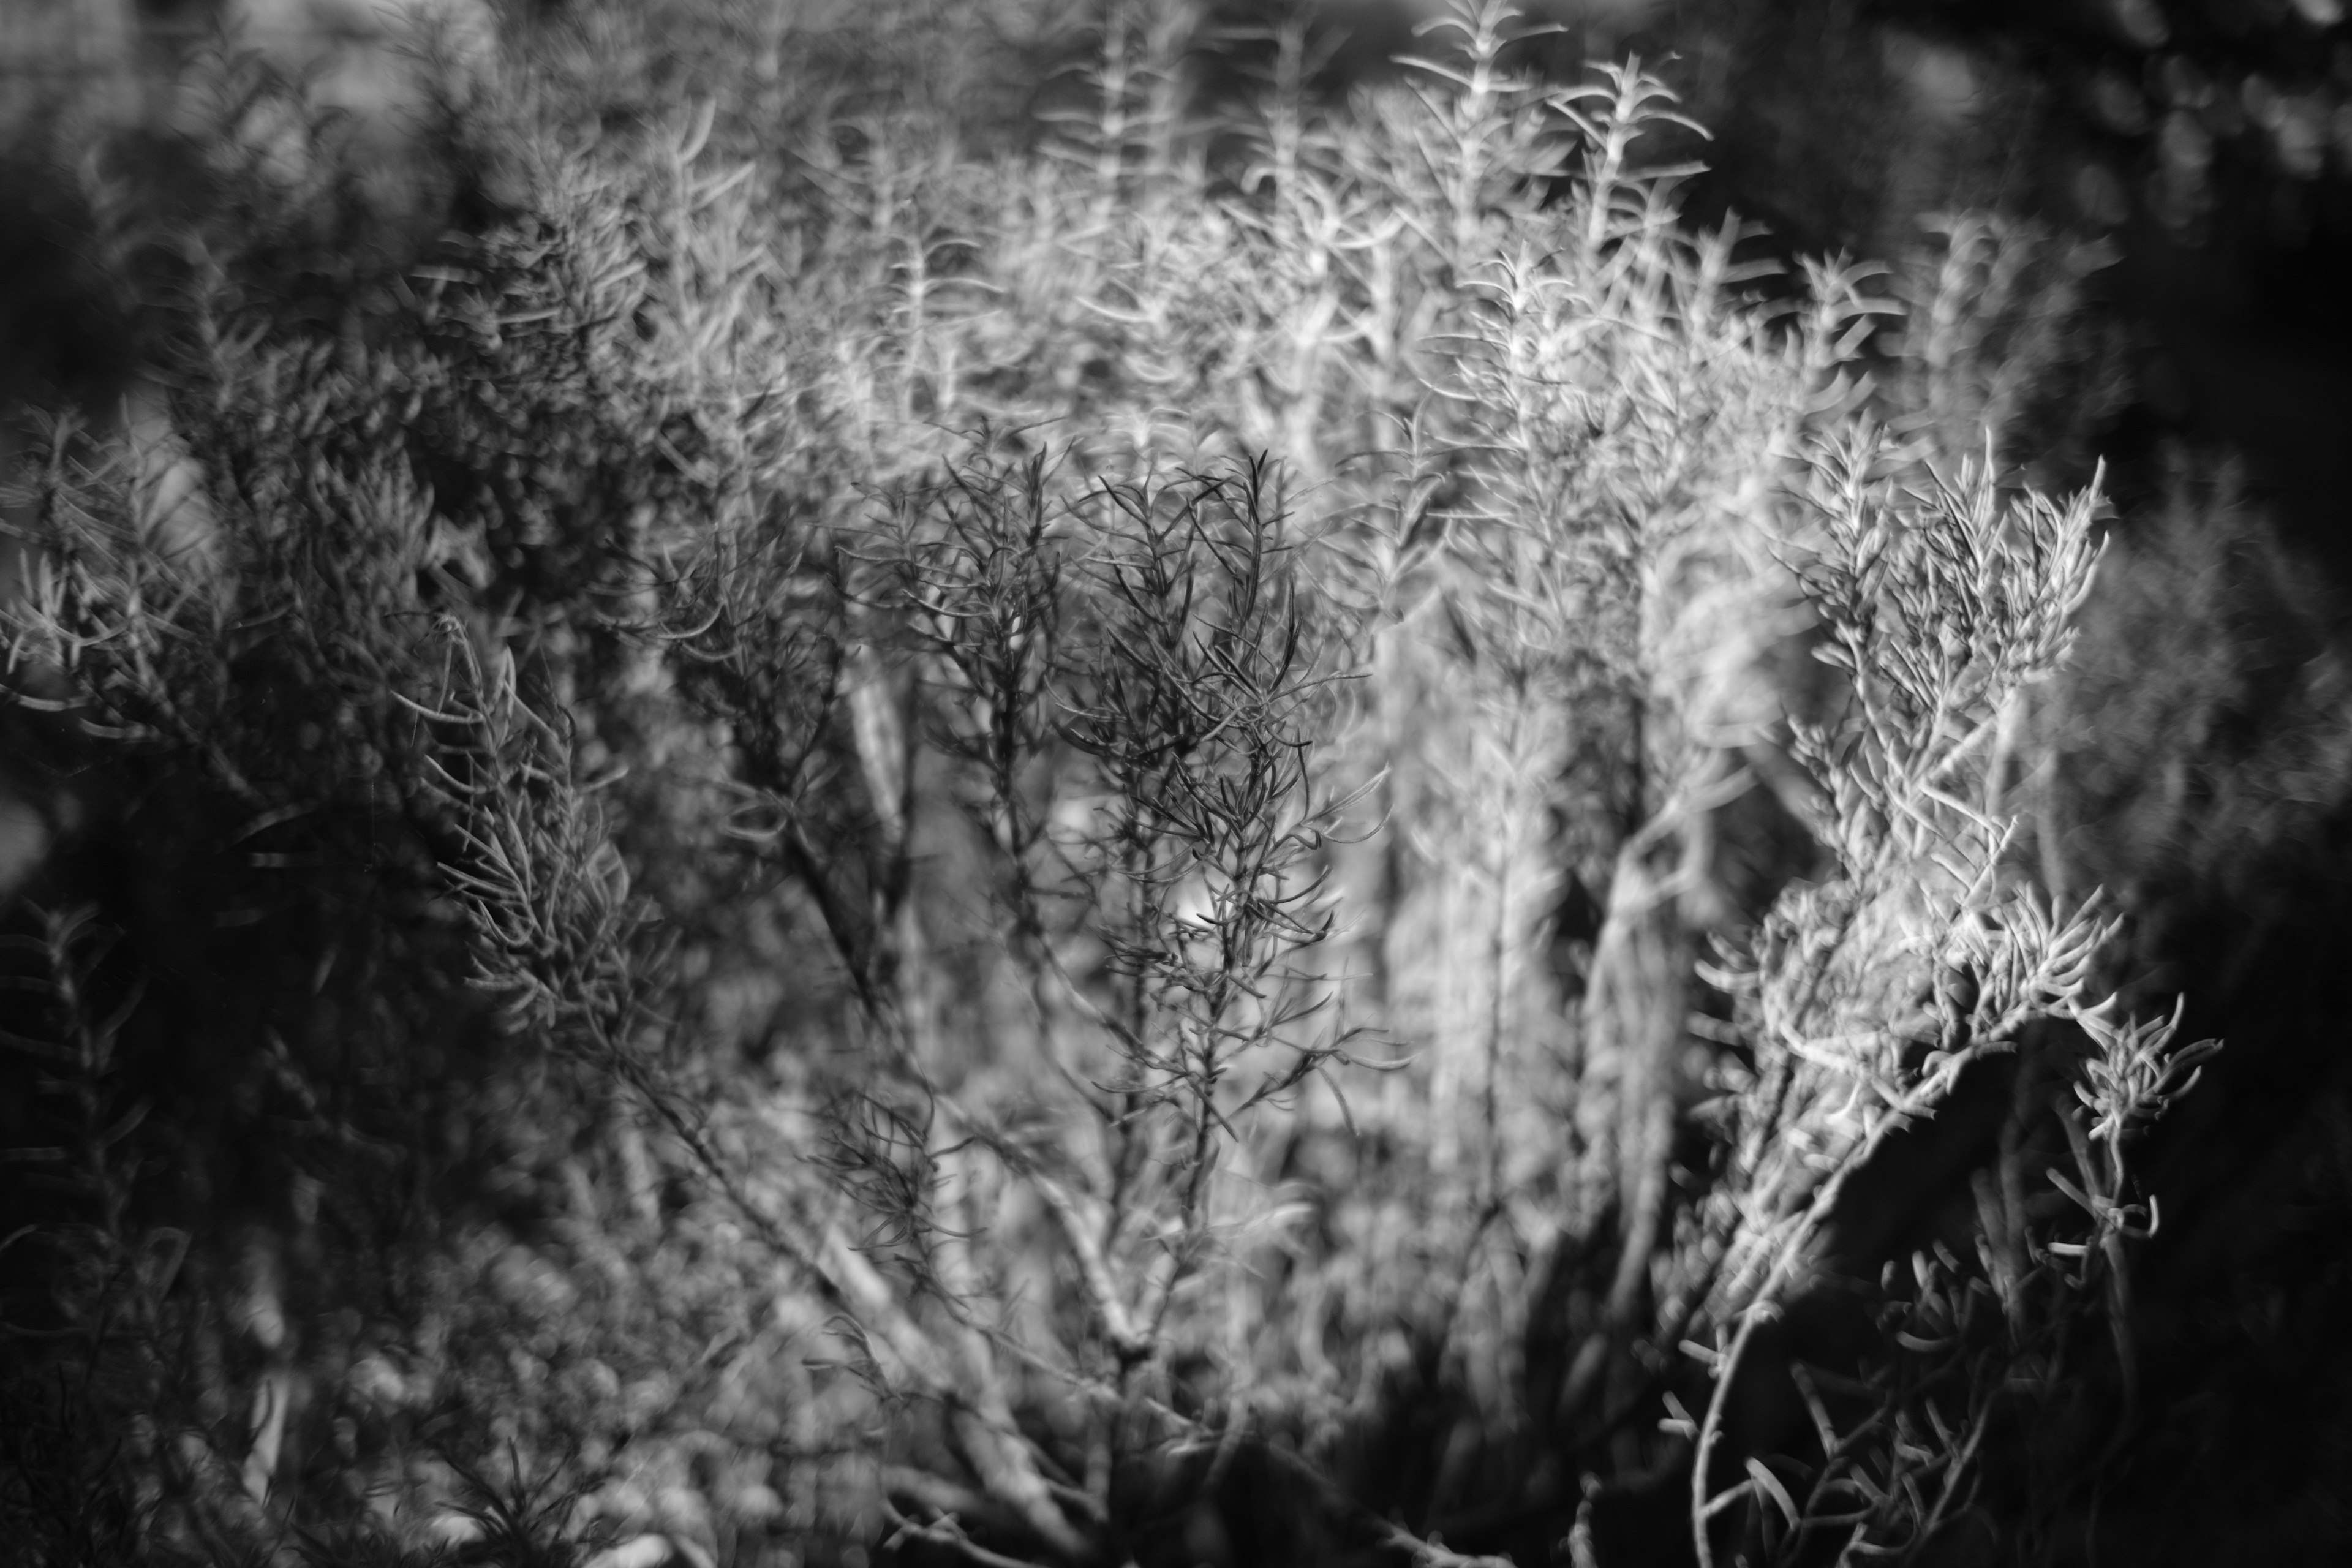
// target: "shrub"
[[845, 844]]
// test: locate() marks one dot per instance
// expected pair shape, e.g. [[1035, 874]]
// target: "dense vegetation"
[[894, 820]]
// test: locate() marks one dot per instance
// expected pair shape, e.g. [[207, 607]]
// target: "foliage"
[[844, 839]]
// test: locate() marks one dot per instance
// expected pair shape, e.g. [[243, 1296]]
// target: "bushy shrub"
[[846, 841]]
